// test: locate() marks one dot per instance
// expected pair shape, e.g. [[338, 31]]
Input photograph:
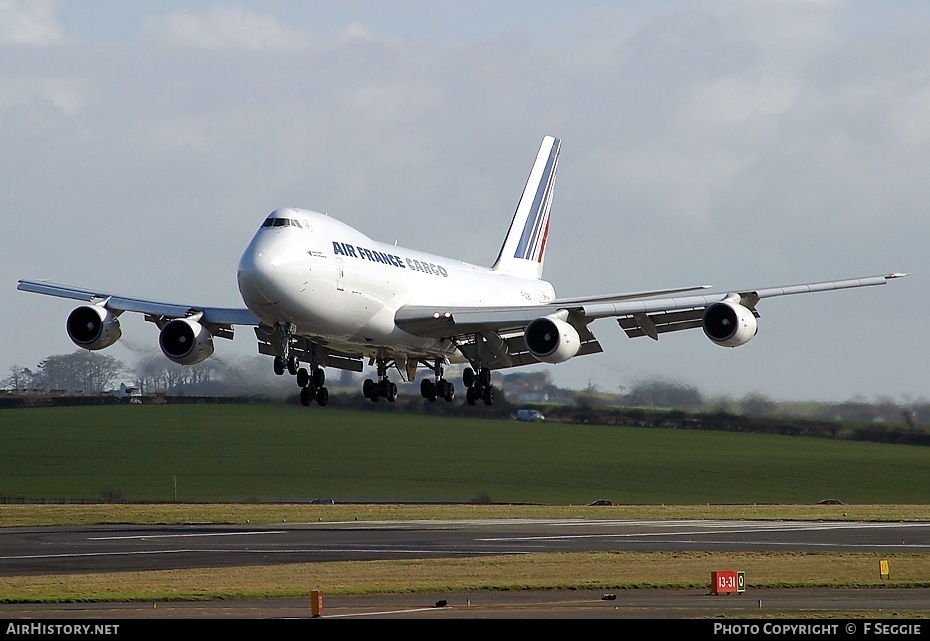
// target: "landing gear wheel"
[[319, 377], [293, 364], [471, 396], [468, 377], [488, 395], [278, 365], [368, 387], [322, 396], [387, 389], [428, 390], [484, 377], [445, 389], [303, 377], [306, 395]]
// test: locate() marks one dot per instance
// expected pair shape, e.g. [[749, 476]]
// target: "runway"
[[119, 548]]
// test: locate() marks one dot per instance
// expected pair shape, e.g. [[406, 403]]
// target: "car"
[[830, 502], [602, 502], [322, 502]]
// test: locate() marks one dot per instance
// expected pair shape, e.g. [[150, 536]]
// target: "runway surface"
[[52, 550], [62, 550]]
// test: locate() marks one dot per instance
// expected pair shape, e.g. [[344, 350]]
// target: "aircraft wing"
[[654, 317], [644, 314], [219, 319], [437, 322]]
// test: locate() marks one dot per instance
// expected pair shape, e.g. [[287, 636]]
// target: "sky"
[[737, 144]]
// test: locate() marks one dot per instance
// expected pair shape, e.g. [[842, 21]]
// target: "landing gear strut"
[[479, 386], [384, 388], [286, 360], [440, 388], [311, 382]]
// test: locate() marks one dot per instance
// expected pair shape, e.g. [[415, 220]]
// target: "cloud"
[[224, 27], [29, 22], [742, 144]]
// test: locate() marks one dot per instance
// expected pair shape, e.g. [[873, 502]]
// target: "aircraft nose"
[[254, 275]]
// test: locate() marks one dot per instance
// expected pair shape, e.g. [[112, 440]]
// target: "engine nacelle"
[[729, 324], [551, 340], [93, 327], [185, 341]]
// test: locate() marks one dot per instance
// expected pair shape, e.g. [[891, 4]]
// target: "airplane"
[[320, 293]]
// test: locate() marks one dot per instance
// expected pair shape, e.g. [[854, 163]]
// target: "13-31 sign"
[[727, 582]]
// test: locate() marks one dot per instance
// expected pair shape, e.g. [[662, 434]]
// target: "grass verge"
[[587, 570], [229, 514]]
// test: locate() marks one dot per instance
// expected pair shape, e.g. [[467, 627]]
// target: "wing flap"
[[653, 324]]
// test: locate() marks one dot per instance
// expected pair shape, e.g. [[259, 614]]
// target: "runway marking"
[[300, 551], [370, 614], [736, 530], [179, 536], [880, 546]]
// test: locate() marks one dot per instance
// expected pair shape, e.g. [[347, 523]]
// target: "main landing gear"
[[440, 388], [312, 386], [384, 388], [479, 386]]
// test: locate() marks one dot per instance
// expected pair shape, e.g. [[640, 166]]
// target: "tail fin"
[[524, 247]]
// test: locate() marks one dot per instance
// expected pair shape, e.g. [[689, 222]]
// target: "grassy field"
[[271, 453], [261, 464]]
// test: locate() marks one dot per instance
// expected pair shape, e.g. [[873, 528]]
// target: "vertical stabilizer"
[[524, 248]]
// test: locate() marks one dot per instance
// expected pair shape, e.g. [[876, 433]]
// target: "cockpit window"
[[273, 221]]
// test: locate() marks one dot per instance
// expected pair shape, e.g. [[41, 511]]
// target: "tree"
[[19, 378], [81, 370]]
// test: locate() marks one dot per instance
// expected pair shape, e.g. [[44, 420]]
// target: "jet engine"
[[729, 324], [551, 340], [185, 341], [93, 327]]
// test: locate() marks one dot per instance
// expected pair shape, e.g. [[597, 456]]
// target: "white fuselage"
[[305, 269]]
